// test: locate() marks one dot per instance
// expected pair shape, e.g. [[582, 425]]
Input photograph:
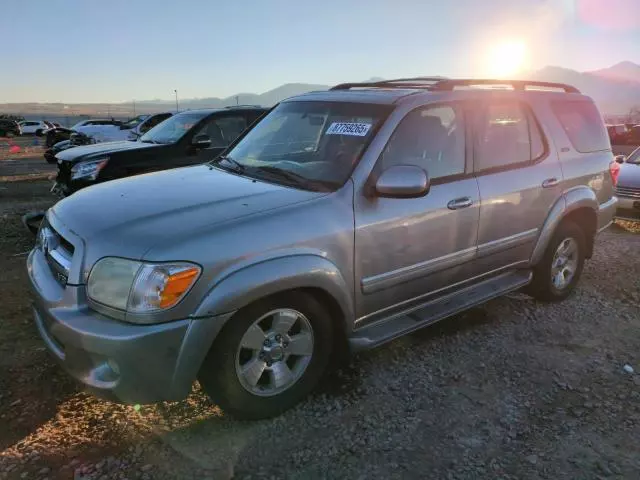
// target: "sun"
[[507, 58]]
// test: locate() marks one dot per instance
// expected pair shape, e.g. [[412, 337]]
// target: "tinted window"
[[583, 125], [223, 130], [431, 138], [174, 128], [506, 134]]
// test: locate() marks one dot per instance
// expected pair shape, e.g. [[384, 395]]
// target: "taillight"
[[614, 170]]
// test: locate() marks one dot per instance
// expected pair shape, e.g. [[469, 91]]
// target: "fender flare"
[[571, 200], [247, 284]]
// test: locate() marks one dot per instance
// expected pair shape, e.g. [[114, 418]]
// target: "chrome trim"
[[608, 204], [520, 263], [507, 242], [61, 259], [388, 279], [605, 227]]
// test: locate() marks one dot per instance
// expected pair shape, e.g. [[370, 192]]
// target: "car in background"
[[51, 152], [147, 124], [628, 188], [9, 128], [30, 127], [57, 134], [618, 134], [633, 137], [129, 130], [187, 138]]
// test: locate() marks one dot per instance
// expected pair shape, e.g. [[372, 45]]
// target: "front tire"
[[269, 356], [558, 273]]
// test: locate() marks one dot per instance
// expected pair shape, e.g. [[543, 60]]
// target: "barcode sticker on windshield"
[[354, 129]]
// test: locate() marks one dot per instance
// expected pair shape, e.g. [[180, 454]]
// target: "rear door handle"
[[459, 203], [550, 182]]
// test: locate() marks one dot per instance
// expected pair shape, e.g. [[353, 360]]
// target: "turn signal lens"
[[176, 285], [161, 286], [614, 170]]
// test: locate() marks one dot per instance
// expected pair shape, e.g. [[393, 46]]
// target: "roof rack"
[[515, 84], [412, 82], [446, 84]]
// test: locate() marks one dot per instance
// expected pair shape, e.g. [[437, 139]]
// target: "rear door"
[[519, 178]]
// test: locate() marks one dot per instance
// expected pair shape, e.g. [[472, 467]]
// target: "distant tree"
[[634, 115], [17, 118]]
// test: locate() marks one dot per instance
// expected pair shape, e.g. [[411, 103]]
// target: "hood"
[[629, 175], [139, 212], [84, 151]]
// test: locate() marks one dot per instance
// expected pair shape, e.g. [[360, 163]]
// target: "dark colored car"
[[187, 138], [618, 134], [633, 137], [9, 127], [50, 153]]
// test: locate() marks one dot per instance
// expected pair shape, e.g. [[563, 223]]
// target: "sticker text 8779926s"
[[354, 129]]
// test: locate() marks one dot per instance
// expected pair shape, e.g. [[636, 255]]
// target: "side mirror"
[[403, 181], [620, 158], [201, 141]]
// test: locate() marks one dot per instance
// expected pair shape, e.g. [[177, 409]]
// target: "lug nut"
[[285, 344], [266, 342], [278, 338], [261, 355]]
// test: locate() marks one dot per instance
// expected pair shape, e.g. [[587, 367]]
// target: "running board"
[[438, 309]]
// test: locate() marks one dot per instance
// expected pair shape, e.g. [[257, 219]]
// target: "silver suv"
[[343, 218]]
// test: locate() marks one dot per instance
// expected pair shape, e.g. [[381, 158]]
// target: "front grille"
[[58, 252], [632, 192]]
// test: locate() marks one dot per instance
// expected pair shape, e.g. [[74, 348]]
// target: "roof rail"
[[412, 82], [444, 84], [516, 84], [244, 105]]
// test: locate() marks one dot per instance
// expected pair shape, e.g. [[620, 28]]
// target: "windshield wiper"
[[296, 178], [237, 166]]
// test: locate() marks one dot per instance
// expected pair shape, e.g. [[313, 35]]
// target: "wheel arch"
[[579, 205]]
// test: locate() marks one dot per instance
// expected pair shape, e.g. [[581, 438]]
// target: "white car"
[[30, 127], [131, 130]]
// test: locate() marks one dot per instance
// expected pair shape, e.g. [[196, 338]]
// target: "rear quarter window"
[[583, 125]]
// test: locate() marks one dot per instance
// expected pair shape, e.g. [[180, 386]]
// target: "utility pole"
[[237, 101], [176, 92], [134, 108]]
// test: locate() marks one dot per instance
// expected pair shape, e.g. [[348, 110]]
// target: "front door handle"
[[458, 203], [550, 182]]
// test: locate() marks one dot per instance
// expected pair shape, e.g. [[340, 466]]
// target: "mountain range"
[[615, 89]]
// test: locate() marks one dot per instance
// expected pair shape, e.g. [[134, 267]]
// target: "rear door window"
[[583, 125], [506, 135]]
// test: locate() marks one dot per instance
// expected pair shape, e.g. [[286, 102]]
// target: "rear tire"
[[558, 273], [252, 371]]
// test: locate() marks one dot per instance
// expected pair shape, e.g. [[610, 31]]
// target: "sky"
[[75, 51]]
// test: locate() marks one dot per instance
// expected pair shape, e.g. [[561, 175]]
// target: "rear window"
[[583, 125]]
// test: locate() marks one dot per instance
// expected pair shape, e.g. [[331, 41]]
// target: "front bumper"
[[628, 208], [115, 360]]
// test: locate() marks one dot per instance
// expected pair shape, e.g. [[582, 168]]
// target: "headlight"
[[88, 170], [138, 287]]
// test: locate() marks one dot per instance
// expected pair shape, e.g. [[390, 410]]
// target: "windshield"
[[173, 129], [319, 142], [134, 122], [634, 157]]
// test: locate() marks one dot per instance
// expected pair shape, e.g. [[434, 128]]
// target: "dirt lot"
[[512, 390]]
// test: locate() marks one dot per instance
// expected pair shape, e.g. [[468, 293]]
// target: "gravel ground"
[[512, 390]]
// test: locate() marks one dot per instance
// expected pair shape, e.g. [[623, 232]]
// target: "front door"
[[409, 247]]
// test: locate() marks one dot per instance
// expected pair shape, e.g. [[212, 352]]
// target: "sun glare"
[[507, 59]]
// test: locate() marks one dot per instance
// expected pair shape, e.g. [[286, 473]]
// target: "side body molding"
[[570, 200], [252, 282]]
